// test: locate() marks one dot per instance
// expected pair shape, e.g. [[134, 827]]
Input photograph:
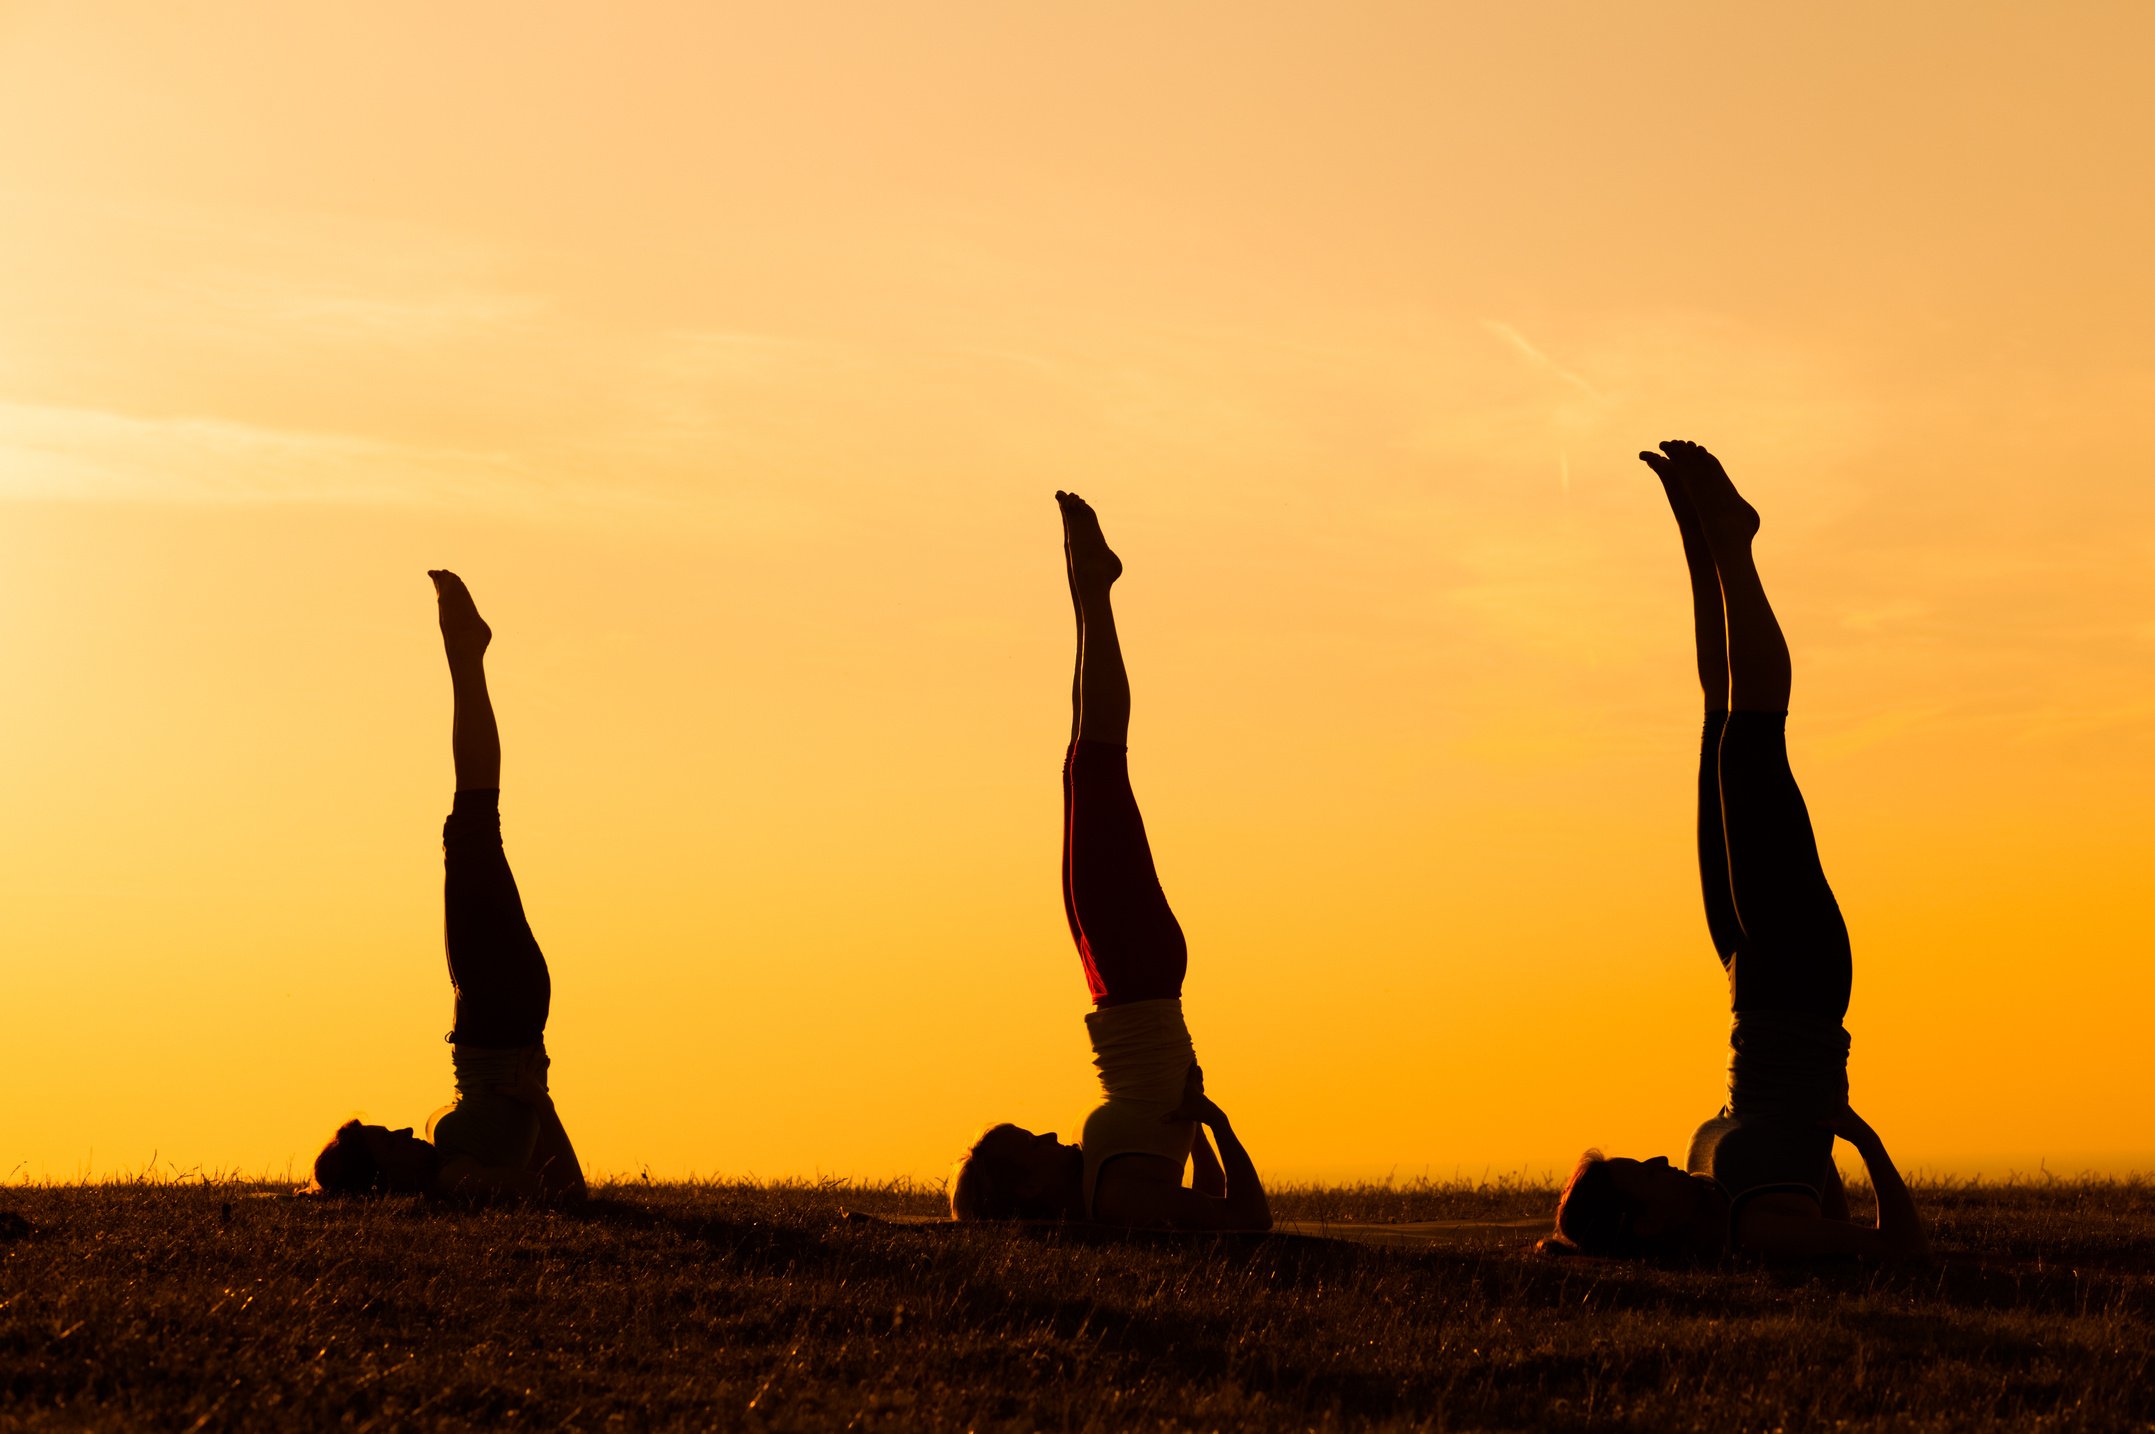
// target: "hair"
[[346, 1166], [1592, 1215], [984, 1187]]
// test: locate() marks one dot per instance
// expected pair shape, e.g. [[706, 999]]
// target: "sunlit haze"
[[734, 354]]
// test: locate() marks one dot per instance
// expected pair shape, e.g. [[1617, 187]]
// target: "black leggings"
[[502, 989], [1774, 920], [1127, 937]]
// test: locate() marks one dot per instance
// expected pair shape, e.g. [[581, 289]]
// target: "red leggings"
[[1127, 937]]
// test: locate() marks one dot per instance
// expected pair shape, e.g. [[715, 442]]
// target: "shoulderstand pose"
[[1127, 1167], [501, 1137], [1760, 1176]]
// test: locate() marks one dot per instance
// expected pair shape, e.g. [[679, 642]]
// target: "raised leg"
[[503, 990], [1710, 638], [1100, 694], [1792, 953], [1795, 953], [1758, 662], [1127, 936], [1708, 620], [474, 740], [1715, 886]]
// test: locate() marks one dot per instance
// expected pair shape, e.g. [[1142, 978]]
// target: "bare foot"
[[463, 632], [1093, 564], [1697, 473], [1675, 490]]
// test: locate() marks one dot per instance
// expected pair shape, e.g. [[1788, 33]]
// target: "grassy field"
[[193, 1305]]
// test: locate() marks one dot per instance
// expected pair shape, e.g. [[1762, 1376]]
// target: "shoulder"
[[1707, 1139]]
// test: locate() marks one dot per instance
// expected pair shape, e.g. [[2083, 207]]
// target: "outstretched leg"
[[1100, 694], [1794, 953], [1708, 621], [1126, 934], [502, 988], [1710, 637], [474, 740], [1758, 662]]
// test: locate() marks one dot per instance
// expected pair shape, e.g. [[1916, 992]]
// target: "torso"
[[1126, 1188], [1788, 1073], [486, 1124], [1764, 1162], [1144, 1054]]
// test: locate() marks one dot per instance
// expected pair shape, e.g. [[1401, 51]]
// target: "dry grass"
[[212, 1305]]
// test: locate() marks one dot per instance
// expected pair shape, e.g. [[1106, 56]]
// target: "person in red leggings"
[[1127, 1167]]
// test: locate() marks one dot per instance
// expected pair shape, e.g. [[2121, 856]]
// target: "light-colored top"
[[499, 1130], [1144, 1056]]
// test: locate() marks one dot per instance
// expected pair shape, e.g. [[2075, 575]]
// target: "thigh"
[[1794, 955], [1126, 933], [503, 991], [1722, 927]]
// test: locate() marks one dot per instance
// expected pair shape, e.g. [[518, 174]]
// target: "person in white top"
[[502, 1138], [1127, 1168]]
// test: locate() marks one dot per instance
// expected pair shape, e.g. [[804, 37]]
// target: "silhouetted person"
[[1127, 1167], [1760, 1176], [502, 1136]]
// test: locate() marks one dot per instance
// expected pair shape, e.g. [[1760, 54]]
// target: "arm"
[[1796, 1227], [1244, 1206], [1206, 1176], [549, 1172], [552, 1156], [1832, 1194], [553, 1159], [553, 1173], [1146, 1192], [1898, 1223], [1224, 1193]]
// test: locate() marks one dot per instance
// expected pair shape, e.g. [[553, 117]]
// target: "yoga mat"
[[1407, 1234]]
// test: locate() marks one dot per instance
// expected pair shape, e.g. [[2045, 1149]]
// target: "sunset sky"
[[733, 355]]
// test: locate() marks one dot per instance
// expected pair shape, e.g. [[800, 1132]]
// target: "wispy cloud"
[[1520, 345], [228, 280], [414, 318], [94, 455], [698, 395]]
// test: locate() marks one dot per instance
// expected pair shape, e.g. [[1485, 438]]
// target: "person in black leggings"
[[1760, 1175], [502, 1135], [1127, 1167]]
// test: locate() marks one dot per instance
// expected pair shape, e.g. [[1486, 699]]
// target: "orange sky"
[[733, 358]]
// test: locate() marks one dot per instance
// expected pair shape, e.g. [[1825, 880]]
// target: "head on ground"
[[1013, 1174], [375, 1160], [1637, 1209]]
